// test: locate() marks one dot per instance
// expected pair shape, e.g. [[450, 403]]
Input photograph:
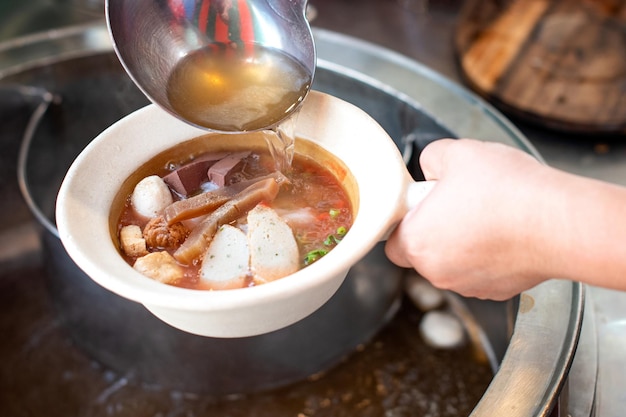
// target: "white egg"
[[442, 330], [423, 294]]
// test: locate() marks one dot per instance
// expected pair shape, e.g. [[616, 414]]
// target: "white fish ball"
[[274, 251], [442, 330], [226, 262], [150, 196]]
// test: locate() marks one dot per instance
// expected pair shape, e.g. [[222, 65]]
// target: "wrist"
[[583, 226]]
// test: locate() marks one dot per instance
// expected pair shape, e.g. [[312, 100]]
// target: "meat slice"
[[273, 248], [205, 203], [198, 241], [225, 264], [188, 178], [221, 172]]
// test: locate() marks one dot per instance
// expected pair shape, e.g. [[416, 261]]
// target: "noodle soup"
[[213, 214]]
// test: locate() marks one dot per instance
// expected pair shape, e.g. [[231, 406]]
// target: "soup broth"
[[229, 88], [314, 199]]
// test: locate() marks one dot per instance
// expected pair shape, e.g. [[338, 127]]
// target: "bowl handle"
[[416, 191]]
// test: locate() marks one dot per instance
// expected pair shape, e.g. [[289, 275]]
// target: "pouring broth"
[[213, 213]]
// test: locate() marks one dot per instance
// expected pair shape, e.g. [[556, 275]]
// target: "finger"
[[396, 251], [432, 158], [398, 244]]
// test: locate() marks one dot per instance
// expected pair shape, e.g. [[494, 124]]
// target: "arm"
[[499, 222]]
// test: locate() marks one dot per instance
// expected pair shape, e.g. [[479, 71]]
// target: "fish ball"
[[150, 196]]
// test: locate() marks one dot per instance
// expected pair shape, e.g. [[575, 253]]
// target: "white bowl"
[[380, 185]]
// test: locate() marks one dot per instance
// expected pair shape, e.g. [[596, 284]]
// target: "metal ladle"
[[229, 85]]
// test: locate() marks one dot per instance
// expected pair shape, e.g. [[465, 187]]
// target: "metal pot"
[[533, 356], [92, 92]]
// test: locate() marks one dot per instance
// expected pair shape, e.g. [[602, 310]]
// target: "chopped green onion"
[[314, 255], [341, 231], [334, 213]]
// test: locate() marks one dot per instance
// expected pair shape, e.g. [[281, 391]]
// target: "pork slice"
[[273, 248], [198, 241], [222, 170], [225, 264], [188, 178]]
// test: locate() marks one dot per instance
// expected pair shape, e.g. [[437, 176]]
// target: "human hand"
[[475, 233]]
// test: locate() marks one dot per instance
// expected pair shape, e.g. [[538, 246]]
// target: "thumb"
[[432, 158]]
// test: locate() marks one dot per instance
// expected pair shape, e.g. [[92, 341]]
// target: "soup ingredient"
[[441, 329], [206, 202], [132, 241], [187, 178], [200, 237], [267, 251], [150, 196], [159, 234], [273, 249], [330, 242], [221, 172], [282, 217], [226, 262], [314, 255], [160, 266], [229, 88], [423, 294]]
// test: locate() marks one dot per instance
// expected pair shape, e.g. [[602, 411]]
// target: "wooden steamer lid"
[[558, 63]]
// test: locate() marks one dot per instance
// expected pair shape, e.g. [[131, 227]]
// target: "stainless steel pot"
[[89, 93], [413, 103]]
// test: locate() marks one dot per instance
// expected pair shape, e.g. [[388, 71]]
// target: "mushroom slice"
[[225, 262], [273, 249]]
